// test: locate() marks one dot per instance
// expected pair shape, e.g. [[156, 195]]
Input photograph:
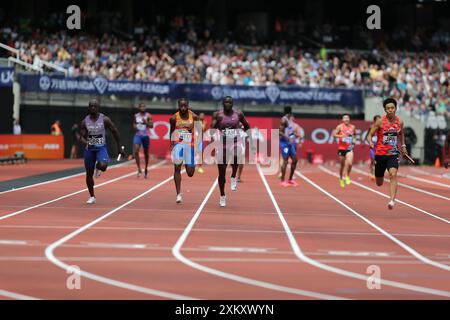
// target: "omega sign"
[[322, 136], [164, 134]]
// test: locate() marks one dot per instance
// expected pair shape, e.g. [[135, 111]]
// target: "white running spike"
[[222, 201], [91, 200], [233, 184], [391, 205]]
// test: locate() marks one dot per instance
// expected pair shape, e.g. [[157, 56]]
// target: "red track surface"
[[243, 251], [35, 167]]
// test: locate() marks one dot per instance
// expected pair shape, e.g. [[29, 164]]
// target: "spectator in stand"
[[186, 53]]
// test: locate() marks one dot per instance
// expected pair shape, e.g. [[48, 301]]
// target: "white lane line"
[[238, 249], [340, 233], [424, 180], [205, 249], [117, 245], [60, 179], [382, 231], [15, 242], [176, 251], [205, 259], [16, 296], [232, 230], [441, 176], [358, 253], [386, 196], [299, 253], [408, 186], [49, 253], [75, 193]]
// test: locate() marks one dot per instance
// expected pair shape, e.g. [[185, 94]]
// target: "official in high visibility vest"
[[56, 128]]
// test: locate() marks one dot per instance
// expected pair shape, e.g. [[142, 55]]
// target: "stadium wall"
[[37, 119], [6, 110]]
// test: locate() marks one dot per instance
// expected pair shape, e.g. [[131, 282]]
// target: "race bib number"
[[185, 136], [390, 140], [96, 140], [141, 126], [230, 133], [348, 140]]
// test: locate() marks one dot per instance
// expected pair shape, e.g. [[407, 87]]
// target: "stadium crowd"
[[420, 81]]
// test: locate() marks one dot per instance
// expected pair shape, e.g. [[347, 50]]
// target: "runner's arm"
[[213, 128], [402, 140], [134, 123], [83, 133], [110, 125], [149, 121], [246, 125], [244, 121], [172, 130], [283, 125], [372, 131], [336, 132], [198, 130], [214, 121]]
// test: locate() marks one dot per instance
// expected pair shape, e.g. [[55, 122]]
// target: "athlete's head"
[[346, 118], [390, 106], [227, 103], [93, 106], [201, 116], [288, 110], [375, 119], [141, 107], [183, 105]]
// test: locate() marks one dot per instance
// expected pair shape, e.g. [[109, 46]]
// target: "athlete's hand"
[[122, 153], [371, 145], [404, 151]]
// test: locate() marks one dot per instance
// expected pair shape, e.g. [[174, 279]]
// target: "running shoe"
[[97, 173], [391, 205], [200, 170], [284, 184], [222, 201], [239, 180], [91, 200], [233, 184], [145, 174], [293, 183], [342, 183], [372, 177], [139, 174], [347, 180], [179, 198]]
